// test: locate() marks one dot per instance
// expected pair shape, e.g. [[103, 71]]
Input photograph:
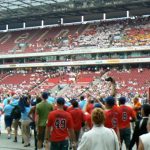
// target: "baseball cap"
[[60, 100], [72, 100], [122, 100], [110, 100], [97, 105], [45, 95]]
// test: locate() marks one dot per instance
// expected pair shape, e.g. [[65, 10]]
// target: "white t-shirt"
[[145, 138], [99, 138]]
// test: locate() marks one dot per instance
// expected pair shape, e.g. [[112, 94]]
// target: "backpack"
[[16, 113]]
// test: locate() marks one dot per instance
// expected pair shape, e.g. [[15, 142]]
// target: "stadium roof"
[[29, 10], [18, 8]]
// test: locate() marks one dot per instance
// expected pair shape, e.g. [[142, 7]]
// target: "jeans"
[[61, 145], [125, 135]]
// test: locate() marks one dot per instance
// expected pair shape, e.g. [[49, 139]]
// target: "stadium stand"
[[122, 33]]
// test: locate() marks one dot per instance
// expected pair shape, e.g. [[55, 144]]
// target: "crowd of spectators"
[[97, 108], [106, 34], [129, 82], [122, 33]]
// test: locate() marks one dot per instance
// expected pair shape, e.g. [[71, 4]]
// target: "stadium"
[[74, 48]]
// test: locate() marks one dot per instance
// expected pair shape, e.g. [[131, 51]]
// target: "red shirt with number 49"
[[126, 113], [60, 121]]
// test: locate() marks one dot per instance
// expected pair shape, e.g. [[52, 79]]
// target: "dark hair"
[[110, 101], [45, 95], [146, 109], [60, 101], [82, 98], [75, 104], [122, 100], [23, 102], [8, 101], [38, 99]]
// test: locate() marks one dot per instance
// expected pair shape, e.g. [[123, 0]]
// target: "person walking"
[[7, 117], [141, 126], [60, 128], [99, 137], [127, 115], [78, 119], [42, 111], [144, 143], [112, 115], [25, 120]]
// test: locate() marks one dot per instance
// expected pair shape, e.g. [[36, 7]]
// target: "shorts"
[[16, 123], [63, 145], [41, 133], [8, 121]]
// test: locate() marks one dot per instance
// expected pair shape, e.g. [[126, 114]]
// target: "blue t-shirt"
[[24, 115], [8, 109], [5, 101], [51, 100], [82, 104], [68, 104], [15, 102]]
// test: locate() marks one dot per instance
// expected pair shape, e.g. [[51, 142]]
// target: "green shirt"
[[42, 110]]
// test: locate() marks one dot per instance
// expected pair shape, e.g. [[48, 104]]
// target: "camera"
[[110, 79]]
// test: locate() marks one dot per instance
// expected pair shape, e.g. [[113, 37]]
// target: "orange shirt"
[[126, 113], [137, 107]]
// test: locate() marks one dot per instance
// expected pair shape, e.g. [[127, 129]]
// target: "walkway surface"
[[8, 144]]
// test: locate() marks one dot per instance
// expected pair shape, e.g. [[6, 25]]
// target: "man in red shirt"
[[70, 108], [60, 127], [90, 106], [88, 121], [127, 114], [78, 118], [112, 114]]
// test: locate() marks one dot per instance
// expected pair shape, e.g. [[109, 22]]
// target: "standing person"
[[144, 143], [99, 137], [42, 111], [127, 114], [60, 127], [141, 125], [78, 119], [137, 107], [25, 120], [82, 103], [7, 118], [33, 116], [1, 111], [6, 98], [16, 115], [90, 106], [112, 114]]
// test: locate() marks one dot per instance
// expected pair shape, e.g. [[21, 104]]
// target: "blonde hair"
[[98, 116]]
